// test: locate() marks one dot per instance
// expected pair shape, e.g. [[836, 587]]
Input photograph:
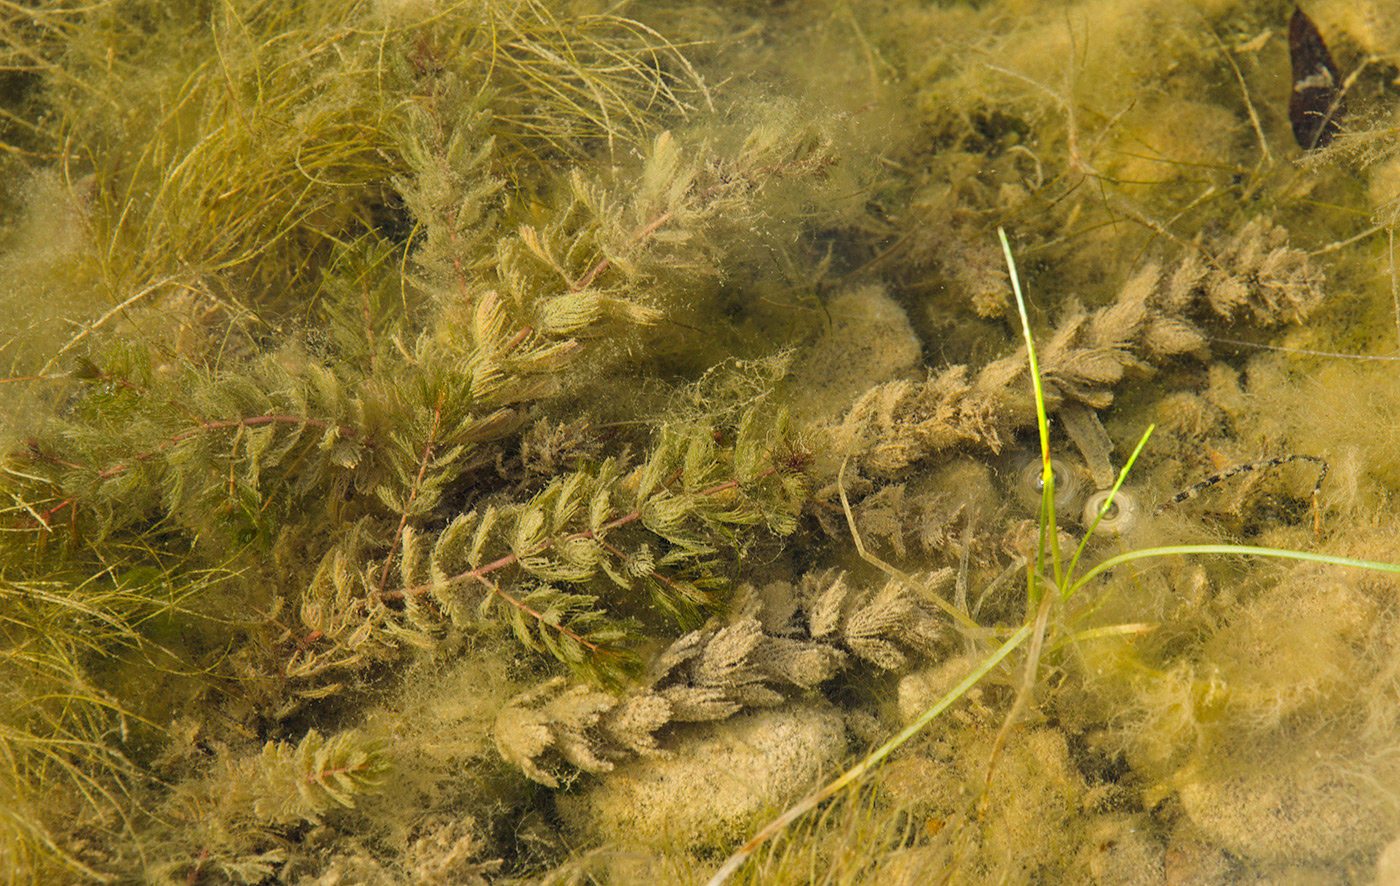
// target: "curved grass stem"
[[1048, 532], [870, 761], [1236, 550]]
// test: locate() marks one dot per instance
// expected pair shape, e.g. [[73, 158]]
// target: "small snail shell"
[[1030, 486], [1122, 513]]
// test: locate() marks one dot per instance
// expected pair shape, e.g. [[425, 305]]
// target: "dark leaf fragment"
[[1316, 106]]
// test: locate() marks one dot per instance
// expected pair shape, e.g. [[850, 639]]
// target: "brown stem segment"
[[536, 615]]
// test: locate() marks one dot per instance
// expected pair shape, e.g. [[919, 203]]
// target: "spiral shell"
[[1068, 483], [1122, 513]]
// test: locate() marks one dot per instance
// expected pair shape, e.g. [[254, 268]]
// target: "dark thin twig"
[[1196, 489]]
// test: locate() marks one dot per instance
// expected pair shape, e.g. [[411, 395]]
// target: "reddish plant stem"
[[508, 559], [198, 869], [102, 376], [315, 777], [740, 180], [53, 459], [538, 616], [675, 475], [668, 582], [645, 231], [519, 338], [257, 420], [41, 518], [45, 515]]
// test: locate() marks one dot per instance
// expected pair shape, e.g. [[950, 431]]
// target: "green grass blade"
[[1235, 550], [1048, 532]]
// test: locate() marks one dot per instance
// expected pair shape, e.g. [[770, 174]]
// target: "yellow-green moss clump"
[[526, 441]]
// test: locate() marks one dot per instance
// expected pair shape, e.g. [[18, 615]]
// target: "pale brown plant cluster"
[[778, 640], [1162, 312]]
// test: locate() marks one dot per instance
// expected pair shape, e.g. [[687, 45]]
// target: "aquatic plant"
[[340, 493], [400, 439], [766, 652], [1049, 580]]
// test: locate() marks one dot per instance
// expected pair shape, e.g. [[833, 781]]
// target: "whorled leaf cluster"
[[568, 567], [777, 642], [1157, 315]]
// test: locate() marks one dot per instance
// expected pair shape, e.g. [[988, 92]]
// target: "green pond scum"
[[540, 442]]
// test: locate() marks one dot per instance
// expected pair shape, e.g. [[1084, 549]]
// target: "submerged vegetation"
[[431, 425]]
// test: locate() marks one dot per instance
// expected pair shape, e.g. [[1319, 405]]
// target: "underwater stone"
[[715, 783], [870, 341], [1120, 850], [1388, 866], [1287, 812], [919, 690]]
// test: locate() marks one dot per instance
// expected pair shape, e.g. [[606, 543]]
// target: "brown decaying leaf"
[[1316, 105]]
